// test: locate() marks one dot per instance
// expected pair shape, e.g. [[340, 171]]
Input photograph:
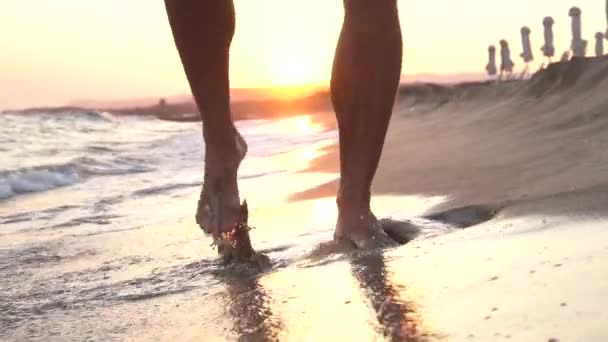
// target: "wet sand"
[[516, 277], [520, 275]]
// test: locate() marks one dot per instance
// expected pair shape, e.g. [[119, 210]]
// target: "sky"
[[53, 52]]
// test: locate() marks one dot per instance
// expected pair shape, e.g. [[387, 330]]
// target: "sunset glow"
[[300, 125], [290, 70], [58, 51]]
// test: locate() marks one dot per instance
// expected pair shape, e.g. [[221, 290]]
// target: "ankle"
[[349, 200], [225, 152]]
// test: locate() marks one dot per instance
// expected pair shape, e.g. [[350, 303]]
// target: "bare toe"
[[375, 239], [363, 234]]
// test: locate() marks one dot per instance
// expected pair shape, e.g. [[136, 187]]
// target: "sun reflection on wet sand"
[[396, 317], [345, 298], [251, 310], [353, 299]]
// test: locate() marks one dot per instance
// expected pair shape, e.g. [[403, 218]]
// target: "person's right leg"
[[203, 31]]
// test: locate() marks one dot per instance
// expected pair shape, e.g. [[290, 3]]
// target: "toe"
[[374, 238]]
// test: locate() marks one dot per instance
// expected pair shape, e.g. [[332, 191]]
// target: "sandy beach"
[[495, 143], [506, 182]]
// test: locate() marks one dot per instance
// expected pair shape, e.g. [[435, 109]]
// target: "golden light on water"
[[301, 125], [305, 125], [310, 153], [324, 210]]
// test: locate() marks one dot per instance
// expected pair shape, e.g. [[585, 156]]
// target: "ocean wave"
[[36, 180], [155, 190], [90, 115], [61, 112], [88, 166], [44, 178], [261, 174]]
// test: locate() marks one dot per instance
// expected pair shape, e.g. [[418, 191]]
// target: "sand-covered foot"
[[219, 205], [236, 249], [369, 236], [383, 233]]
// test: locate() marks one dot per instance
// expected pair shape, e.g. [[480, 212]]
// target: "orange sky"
[[56, 51]]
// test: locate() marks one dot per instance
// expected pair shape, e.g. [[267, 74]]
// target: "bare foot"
[[383, 233], [219, 205], [235, 245], [362, 231]]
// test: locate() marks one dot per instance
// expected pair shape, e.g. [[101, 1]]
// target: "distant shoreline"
[[276, 106], [187, 111], [266, 108]]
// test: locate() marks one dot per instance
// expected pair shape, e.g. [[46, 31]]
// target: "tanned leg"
[[203, 31], [365, 80]]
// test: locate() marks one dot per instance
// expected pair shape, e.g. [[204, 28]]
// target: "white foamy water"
[[103, 158]]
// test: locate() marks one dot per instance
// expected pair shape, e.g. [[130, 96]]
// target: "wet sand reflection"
[[250, 310], [397, 317]]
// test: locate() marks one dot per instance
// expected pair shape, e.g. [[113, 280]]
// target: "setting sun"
[[291, 70]]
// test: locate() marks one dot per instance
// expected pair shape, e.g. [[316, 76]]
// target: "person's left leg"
[[365, 80]]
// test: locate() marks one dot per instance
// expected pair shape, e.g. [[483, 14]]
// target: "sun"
[[290, 68]]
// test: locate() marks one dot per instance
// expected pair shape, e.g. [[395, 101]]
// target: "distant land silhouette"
[[246, 103]]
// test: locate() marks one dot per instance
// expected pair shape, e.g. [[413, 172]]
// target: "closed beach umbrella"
[[527, 46], [491, 66], [578, 45], [599, 44], [506, 64], [548, 49]]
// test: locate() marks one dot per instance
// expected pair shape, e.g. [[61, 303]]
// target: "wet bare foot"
[[363, 232], [384, 233], [219, 205], [375, 238], [236, 251]]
